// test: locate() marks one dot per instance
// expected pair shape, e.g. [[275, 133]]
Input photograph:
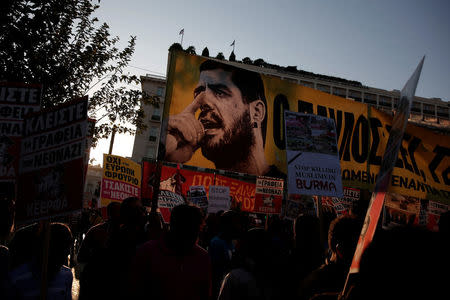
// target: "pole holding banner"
[[389, 158]]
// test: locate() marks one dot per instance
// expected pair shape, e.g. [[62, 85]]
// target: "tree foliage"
[[205, 52], [232, 56], [176, 46], [63, 46], [220, 56], [247, 60], [191, 50]]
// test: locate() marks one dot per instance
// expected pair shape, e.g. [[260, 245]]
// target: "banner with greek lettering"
[[121, 179], [312, 155], [362, 132], [269, 195], [51, 169], [16, 100]]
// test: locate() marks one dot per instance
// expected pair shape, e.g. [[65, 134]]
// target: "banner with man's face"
[[423, 165]]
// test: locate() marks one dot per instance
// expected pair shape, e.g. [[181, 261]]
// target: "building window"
[[159, 91], [415, 107], [153, 134], [156, 115], [396, 100], [307, 84], [385, 101], [442, 111], [324, 88], [370, 98], [340, 92], [355, 95], [428, 109], [291, 80]]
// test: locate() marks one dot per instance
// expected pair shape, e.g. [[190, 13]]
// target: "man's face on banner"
[[224, 116]]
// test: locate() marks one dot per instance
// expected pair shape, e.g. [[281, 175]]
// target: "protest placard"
[[121, 179], [16, 100], [219, 198], [51, 167], [197, 196], [269, 195], [312, 155]]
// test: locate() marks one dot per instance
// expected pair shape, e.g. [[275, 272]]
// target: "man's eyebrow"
[[219, 86], [199, 89]]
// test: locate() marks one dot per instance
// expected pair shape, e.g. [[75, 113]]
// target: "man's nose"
[[206, 100]]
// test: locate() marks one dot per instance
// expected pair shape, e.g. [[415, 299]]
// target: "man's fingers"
[[193, 107]]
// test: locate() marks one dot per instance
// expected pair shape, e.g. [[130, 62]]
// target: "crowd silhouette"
[[225, 255]]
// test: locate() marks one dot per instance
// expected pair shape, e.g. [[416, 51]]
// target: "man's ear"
[[257, 111]]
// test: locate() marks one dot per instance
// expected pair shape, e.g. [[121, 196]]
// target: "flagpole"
[[182, 35]]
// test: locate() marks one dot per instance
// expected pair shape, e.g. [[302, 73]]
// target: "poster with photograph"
[[299, 204], [312, 155], [400, 210], [197, 196]]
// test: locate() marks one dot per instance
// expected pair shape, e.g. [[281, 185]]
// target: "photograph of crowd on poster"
[[362, 131], [197, 196], [299, 204], [400, 210]]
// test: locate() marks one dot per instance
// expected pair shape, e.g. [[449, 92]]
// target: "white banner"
[[312, 155], [219, 198]]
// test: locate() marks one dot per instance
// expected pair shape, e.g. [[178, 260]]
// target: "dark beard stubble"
[[234, 147]]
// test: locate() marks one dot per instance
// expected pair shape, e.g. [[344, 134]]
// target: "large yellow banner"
[[226, 101]]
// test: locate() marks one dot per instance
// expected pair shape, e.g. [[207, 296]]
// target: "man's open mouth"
[[209, 124]]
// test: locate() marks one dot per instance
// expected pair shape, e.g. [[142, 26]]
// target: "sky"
[[378, 43]]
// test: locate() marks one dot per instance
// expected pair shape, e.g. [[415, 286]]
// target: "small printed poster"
[[197, 196], [219, 198], [300, 204], [269, 195], [312, 155], [121, 179]]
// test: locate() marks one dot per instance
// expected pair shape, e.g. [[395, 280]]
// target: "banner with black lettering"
[[422, 168], [121, 179], [51, 179], [16, 100]]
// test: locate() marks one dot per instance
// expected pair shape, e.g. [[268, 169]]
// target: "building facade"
[[146, 142]]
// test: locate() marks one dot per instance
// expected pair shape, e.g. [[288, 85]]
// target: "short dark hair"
[[344, 230], [249, 83], [186, 215]]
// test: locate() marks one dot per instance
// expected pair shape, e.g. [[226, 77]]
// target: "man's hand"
[[184, 132]]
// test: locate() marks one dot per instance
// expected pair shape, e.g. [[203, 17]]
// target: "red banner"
[[241, 192]]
